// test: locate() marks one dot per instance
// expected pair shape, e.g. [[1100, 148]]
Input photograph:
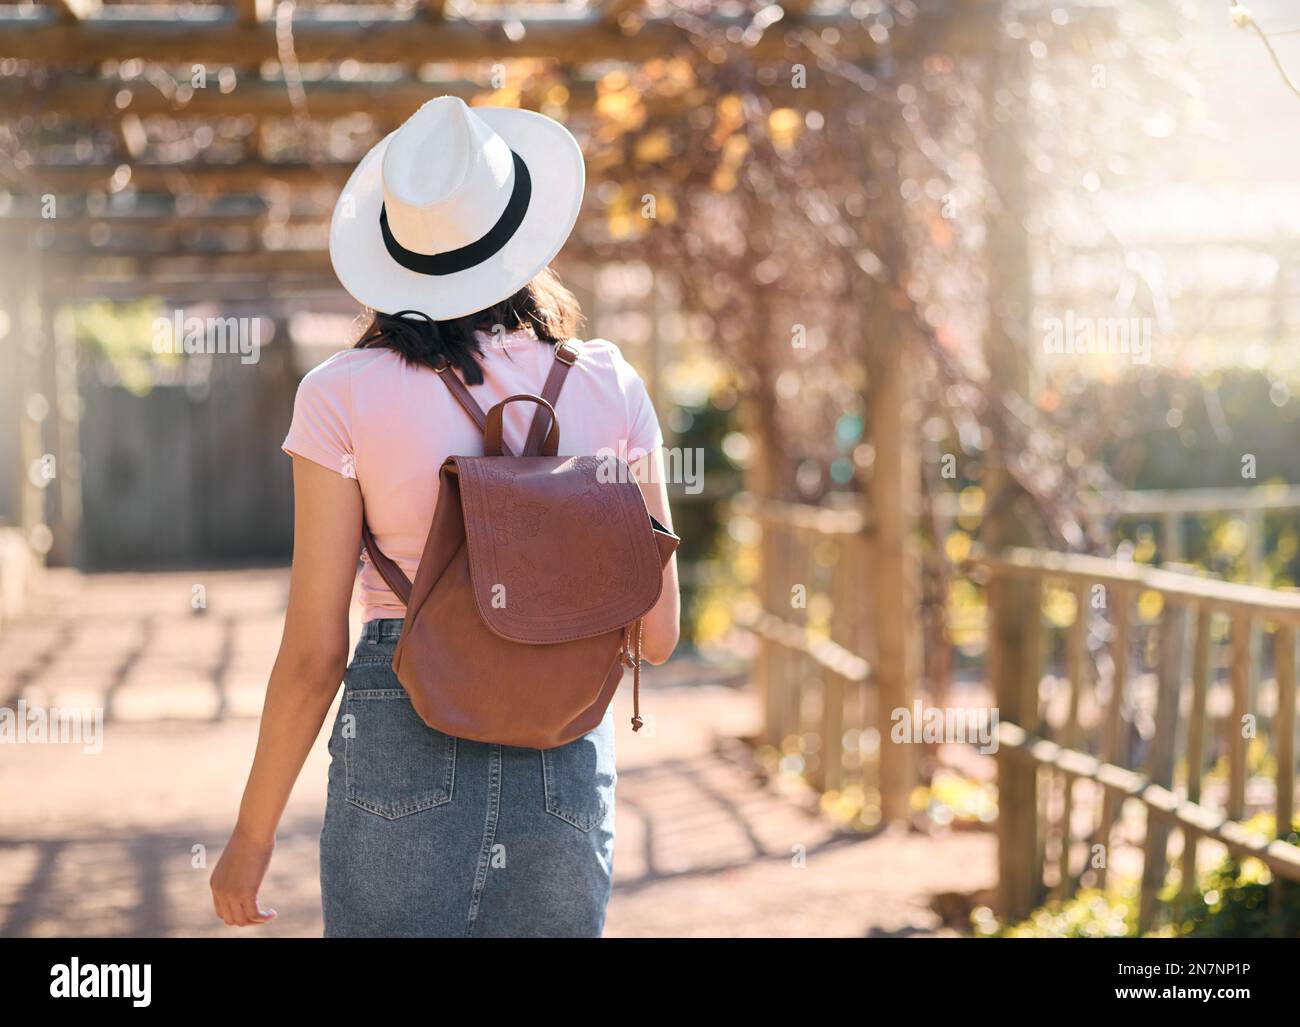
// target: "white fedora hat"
[[456, 210]]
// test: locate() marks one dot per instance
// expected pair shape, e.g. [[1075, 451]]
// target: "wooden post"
[[794, 571], [1075, 653], [895, 498], [767, 679], [1255, 543], [45, 385], [1284, 740], [1014, 658], [1169, 680], [771, 681], [1008, 334], [1015, 607], [830, 771], [780, 660], [13, 400], [833, 685], [766, 480], [63, 433], [1242, 630], [1256, 574], [1171, 541], [1196, 739], [35, 398], [1284, 726], [1119, 601], [858, 640]]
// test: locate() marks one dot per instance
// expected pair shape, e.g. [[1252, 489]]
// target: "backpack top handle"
[[566, 355], [492, 430]]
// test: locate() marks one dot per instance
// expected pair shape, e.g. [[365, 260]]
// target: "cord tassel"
[[636, 678]]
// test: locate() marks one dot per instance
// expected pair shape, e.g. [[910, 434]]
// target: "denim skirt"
[[427, 835]]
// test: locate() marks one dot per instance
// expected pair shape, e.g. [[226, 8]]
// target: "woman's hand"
[[236, 880]]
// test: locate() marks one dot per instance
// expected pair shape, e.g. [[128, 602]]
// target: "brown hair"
[[544, 305]]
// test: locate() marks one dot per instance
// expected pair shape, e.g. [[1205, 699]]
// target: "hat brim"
[[374, 279]]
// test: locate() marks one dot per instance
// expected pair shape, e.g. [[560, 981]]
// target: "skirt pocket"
[[578, 778], [394, 763]]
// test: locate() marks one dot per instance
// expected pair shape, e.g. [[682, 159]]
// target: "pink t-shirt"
[[369, 415]]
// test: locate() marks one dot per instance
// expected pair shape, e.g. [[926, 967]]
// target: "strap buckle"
[[566, 353]]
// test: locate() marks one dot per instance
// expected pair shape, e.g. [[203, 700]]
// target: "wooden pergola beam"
[[66, 224], [574, 36], [182, 264], [89, 96], [141, 210], [206, 288], [245, 176]]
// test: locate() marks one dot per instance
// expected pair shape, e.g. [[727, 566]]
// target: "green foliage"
[[1090, 914], [1208, 423], [1236, 899], [698, 520], [121, 335], [1239, 899], [953, 798]]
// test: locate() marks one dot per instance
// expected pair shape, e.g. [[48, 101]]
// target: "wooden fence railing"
[[1184, 658], [812, 622], [1170, 511], [1041, 764]]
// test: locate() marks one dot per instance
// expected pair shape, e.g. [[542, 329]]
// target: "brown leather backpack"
[[528, 599]]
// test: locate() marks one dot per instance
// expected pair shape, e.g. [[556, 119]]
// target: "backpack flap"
[[560, 548]]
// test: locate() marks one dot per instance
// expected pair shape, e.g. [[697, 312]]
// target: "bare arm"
[[308, 669], [662, 625]]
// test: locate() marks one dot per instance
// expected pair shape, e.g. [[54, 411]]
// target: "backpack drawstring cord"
[[633, 659]]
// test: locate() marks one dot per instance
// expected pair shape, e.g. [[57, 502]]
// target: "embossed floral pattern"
[[533, 588]]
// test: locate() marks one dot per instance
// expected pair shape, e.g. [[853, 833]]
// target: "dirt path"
[[119, 842]]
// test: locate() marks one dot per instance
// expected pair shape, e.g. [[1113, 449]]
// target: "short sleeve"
[[643, 423], [643, 431], [321, 429]]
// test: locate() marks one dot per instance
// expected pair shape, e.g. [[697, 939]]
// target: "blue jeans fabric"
[[427, 835]]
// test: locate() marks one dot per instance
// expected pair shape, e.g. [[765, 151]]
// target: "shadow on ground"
[[120, 842]]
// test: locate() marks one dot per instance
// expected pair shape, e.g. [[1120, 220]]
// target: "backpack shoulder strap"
[[388, 569], [566, 355], [393, 575], [465, 398]]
